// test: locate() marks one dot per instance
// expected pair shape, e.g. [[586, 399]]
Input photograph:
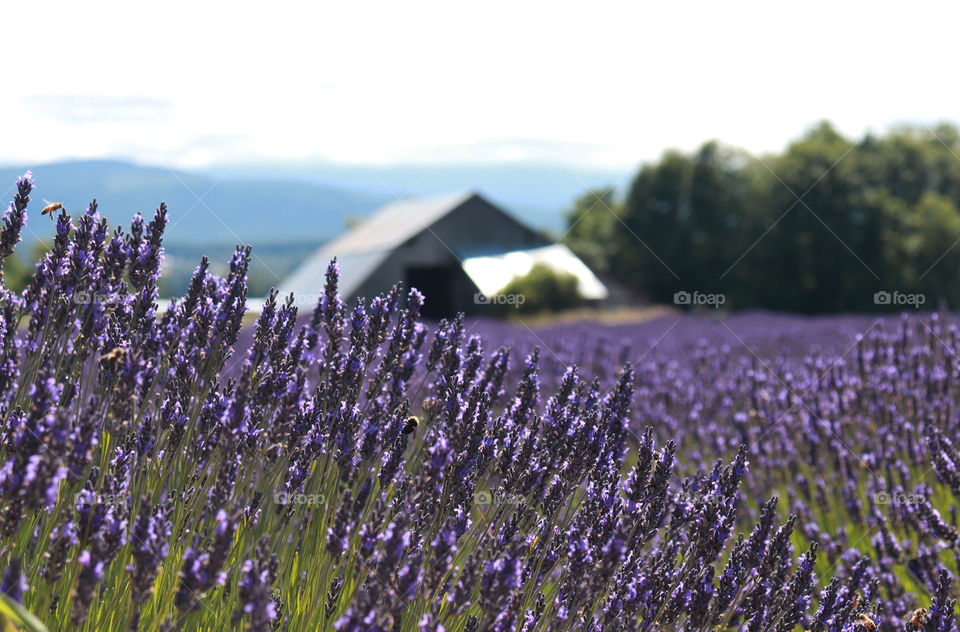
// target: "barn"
[[457, 249]]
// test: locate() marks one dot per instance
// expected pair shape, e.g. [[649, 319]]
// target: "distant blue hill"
[[283, 212], [231, 210], [535, 193]]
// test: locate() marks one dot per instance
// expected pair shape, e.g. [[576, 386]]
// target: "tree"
[[18, 269], [818, 227], [813, 258], [931, 248], [686, 219], [653, 241], [592, 222]]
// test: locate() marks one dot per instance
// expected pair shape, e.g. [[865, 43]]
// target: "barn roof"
[[362, 249], [395, 223]]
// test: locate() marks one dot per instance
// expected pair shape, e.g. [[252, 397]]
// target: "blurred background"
[[803, 160]]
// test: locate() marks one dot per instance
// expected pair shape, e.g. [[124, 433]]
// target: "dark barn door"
[[436, 284]]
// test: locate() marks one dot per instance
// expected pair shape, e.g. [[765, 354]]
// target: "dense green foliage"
[[543, 290], [820, 227], [18, 267]]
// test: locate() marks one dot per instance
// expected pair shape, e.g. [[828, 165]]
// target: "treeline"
[[822, 227]]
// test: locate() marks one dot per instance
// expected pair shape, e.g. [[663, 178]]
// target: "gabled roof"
[[362, 249], [395, 223]]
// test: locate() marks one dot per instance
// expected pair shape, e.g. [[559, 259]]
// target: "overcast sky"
[[589, 84]]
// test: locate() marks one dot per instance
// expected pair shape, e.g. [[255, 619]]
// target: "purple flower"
[[201, 570], [91, 572], [256, 590], [150, 538], [14, 582]]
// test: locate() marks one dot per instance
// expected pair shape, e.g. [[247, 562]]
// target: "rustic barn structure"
[[453, 248]]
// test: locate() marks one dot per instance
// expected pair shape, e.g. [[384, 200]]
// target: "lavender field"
[[357, 469]]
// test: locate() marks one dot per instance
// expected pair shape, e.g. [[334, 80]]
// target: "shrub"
[[353, 471], [543, 290]]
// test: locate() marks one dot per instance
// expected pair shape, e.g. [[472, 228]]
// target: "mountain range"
[[284, 211], [535, 193], [202, 209]]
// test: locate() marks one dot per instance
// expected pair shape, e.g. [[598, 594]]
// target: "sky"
[[598, 84]]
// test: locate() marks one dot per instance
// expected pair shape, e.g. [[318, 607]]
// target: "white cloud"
[[84, 109], [191, 83]]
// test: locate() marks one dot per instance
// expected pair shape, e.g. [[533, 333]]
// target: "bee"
[[114, 357], [917, 618], [411, 425], [866, 622], [51, 208]]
